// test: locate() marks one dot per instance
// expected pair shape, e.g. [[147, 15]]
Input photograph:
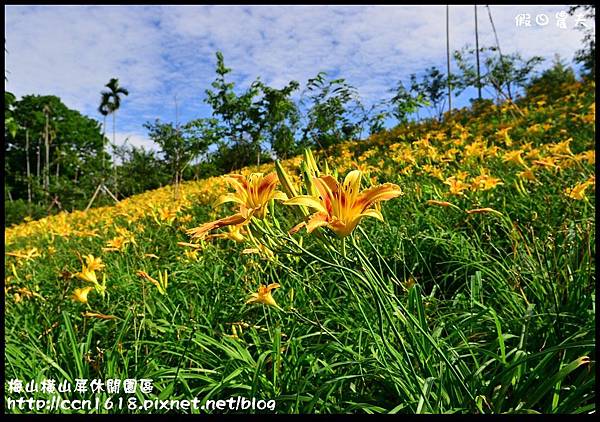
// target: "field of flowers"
[[432, 268]]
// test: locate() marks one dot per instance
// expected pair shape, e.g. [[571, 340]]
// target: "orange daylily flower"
[[527, 174], [252, 194], [578, 191], [28, 255], [515, 157], [116, 244], [88, 274], [341, 206], [485, 182], [264, 295], [456, 185], [93, 264], [235, 233], [201, 231], [81, 295], [561, 148]]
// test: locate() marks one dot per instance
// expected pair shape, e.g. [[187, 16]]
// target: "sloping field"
[[475, 294]]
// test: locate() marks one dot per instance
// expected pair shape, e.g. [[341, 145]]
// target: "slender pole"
[[498, 88], [47, 164], [28, 169], [37, 164], [477, 55], [103, 146], [177, 134], [448, 57], [114, 165]]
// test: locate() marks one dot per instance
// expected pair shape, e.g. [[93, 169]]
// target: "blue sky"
[[159, 52]]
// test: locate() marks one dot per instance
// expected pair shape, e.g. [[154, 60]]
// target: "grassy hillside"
[[474, 295]]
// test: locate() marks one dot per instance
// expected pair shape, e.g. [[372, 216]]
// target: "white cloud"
[[159, 52], [134, 139]]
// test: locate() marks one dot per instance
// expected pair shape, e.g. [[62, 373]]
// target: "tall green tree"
[[331, 107], [180, 146], [140, 169], [104, 110], [74, 143], [503, 73], [586, 56], [111, 102], [281, 118], [240, 120]]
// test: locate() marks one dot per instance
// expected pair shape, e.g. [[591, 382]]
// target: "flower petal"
[[317, 220], [352, 181], [206, 227], [383, 192], [372, 213], [228, 197], [308, 201]]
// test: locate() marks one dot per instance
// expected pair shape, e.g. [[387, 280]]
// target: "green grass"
[[433, 311]]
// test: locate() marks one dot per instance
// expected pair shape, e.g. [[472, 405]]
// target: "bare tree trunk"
[[47, 165], [37, 171], [103, 146], [28, 169]]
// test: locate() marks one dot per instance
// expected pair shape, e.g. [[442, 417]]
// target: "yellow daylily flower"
[[485, 182], [578, 191], [456, 186], [93, 264], [589, 156], [87, 274], [252, 194], [547, 162], [462, 175], [235, 233], [527, 174], [503, 134], [264, 295], [341, 206], [433, 171], [115, 244], [515, 157], [164, 214], [28, 255], [191, 255], [81, 295], [561, 148]]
